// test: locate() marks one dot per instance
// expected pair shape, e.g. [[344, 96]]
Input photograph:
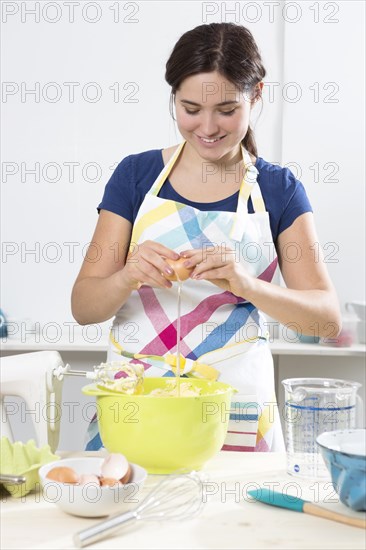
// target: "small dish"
[[344, 453], [91, 500], [309, 339]]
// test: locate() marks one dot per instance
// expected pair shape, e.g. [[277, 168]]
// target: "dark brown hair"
[[226, 48]]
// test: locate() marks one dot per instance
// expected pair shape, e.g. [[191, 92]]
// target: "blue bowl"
[[308, 339], [344, 453]]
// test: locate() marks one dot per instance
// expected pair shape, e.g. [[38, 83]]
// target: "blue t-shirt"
[[284, 196]]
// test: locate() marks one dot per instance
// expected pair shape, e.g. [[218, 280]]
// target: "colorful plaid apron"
[[223, 337]]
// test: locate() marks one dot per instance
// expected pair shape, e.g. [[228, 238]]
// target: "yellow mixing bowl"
[[164, 434]]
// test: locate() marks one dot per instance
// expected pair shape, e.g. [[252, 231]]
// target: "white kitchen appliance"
[[31, 376], [37, 378]]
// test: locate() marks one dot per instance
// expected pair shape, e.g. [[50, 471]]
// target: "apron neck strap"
[[249, 186], [166, 170]]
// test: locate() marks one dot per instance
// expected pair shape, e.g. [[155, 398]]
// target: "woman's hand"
[[219, 265], [145, 264]]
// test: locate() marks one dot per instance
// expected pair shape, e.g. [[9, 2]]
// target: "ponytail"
[[249, 143]]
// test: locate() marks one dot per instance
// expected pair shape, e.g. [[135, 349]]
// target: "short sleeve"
[[295, 202], [119, 193]]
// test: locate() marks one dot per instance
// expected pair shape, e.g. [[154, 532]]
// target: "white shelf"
[[79, 344], [63, 344], [280, 347]]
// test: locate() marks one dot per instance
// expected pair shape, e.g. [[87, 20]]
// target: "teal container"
[[3, 325], [344, 453]]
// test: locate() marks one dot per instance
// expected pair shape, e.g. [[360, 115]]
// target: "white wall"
[[134, 50], [325, 130]]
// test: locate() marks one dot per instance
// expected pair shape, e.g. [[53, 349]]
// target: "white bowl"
[[359, 308], [91, 500]]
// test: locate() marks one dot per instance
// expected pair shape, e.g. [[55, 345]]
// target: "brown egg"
[[109, 482], [181, 273], [128, 475], [63, 474]]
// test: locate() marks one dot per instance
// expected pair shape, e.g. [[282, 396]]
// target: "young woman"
[[232, 215]]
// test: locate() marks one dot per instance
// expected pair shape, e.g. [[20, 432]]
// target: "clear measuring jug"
[[314, 406]]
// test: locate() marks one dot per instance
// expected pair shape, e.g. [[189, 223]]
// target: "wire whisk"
[[119, 376], [177, 497]]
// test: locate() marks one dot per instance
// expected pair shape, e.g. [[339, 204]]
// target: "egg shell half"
[[115, 466], [84, 479], [109, 482], [127, 477], [181, 273]]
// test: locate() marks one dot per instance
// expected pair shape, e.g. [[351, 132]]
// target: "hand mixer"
[[30, 376], [38, 378], [177, 497]]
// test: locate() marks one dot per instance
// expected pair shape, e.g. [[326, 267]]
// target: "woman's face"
[[212, 115]]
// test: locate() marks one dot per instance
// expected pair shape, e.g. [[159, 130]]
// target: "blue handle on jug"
[[3, 325]]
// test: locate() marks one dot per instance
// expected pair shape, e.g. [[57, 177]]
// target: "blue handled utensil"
[[299, 505], [3, 325]]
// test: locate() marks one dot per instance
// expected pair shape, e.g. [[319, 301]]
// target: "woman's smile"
[[209, 142]]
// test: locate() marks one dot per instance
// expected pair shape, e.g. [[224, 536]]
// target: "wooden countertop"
[[229, 520]]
